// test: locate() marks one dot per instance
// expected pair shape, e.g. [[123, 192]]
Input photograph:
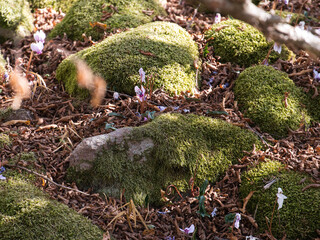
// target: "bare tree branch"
[[272, 26]]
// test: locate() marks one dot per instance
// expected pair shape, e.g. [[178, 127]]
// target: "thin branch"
[[48, 179]]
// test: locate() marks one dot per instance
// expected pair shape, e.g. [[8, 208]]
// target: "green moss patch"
[[64, 5], [16, 20], [4, 140], [237, 42], [28, 213], [260, 92], [123, 14], [118, 59], [182, 144], [299, 216], [296, 17]]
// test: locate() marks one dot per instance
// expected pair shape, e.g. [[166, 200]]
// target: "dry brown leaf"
[[13, 122]]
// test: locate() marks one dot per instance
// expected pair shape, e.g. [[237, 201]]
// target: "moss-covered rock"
[[28, 213], [299, 216], [16, 20], [4, 140], [124, 14], [261, 92], [118, 59], [296, 17], [64, 5], [237, 42], [180, 145]]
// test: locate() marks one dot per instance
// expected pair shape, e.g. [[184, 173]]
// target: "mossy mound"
[[4, 140], [28, 213], [64, 5], [260, 92], [124, 14], [299, 215], [16, 20], [237, 42], [182, 144], [118, 59]]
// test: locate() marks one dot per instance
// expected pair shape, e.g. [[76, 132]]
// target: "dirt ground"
[[60, 122]]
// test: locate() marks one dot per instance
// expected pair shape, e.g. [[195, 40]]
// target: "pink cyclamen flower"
[[39, 36], [140, 93], [115, 95], [286, 2], [277, 48], [280, 198], [237, 222], [37, 47], [217, 18], [316, 75], [142, 75], [188, 230]]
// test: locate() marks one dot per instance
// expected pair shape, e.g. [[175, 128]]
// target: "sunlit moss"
[[28, 213], [129, 14], [64, 5], [299, 216], [4, 140], [237, 42], [118, 59], [182, 144], [16, 20], [260, 92]]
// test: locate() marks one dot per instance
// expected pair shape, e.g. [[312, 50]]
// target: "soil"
[[60, 122]]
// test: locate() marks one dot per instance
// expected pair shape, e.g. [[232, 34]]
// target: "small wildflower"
[[237, 222], [186, 110], [316, 75], [162, 108], [265, 62], [188, 230], [37, 47], [170, 238], [288, 17], [176, 108], [140, 93], [286, 2], [251, 238], [280, 198], [301, 24], [39, 36], [115, 95], [2, 169], [224, 86], [217, 18], [277, 48], [6, 76], [142, 75], [214, 212]]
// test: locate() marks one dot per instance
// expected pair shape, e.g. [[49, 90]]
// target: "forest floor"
[[61, 122]]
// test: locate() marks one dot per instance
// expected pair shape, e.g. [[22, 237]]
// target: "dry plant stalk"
[[20, 86], [87, 79]]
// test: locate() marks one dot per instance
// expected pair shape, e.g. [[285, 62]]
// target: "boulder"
[[28, 213], [16, 20], [83, 15], [299, 216], [240, 43], [271, 100], [168, 150], [164, 50]]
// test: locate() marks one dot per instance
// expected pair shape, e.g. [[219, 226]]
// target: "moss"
[[260, 92], [27, 213], [130, 14], [118, 59], [237, 42], [183, 143], [299, 216], [4, 140], [16, 20], [5, 113], [296, 17], [64, 5], [2, 70]]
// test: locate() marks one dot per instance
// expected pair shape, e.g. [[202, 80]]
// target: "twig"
[[46, 178], [258, 134], [194, 15]]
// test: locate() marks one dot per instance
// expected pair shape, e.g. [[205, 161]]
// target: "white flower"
[[277, 47], [286, 2], [316, 75], [280, 198], [162, 108], [251, 238], [217, 18], [214, 212], [115, 95], [237, 222], [142, 75], [2, 177], [39, 36], [188, 230], [37, 47]]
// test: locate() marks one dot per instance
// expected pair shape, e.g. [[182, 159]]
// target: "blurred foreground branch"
[[272, 26]]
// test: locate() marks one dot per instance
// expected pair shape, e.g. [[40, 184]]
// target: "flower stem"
[[29, 63]]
